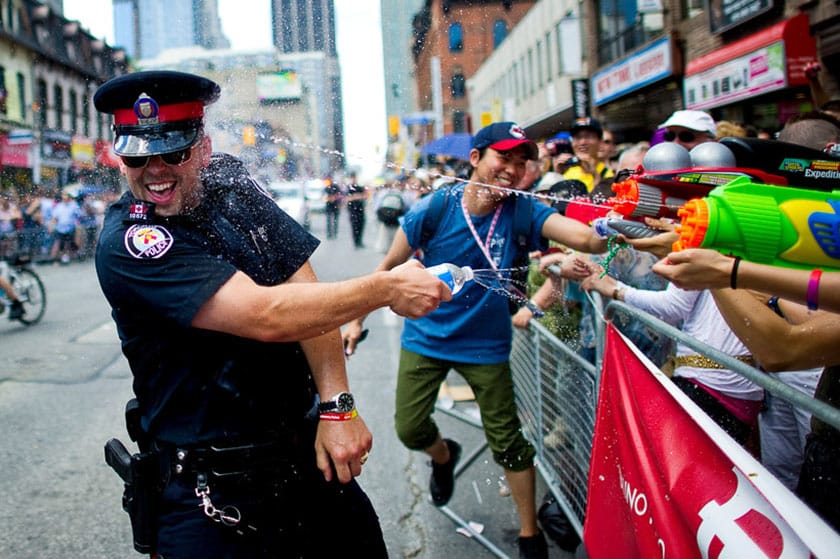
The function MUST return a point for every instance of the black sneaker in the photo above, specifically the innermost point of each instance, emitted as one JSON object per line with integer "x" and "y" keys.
{"x": 16, "y": 310}
{"x": 442, "y": 482}
{"x": 533, "y": 547}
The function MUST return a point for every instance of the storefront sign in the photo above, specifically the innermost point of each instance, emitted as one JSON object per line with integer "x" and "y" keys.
{"x": 55, "y": 148}
{"x": 726, "y": 14}
{"x": 641, "y": 69}
{"x": 81, "y": 150}
{"x": 15, "y": 148}
{"x": 580, "y": 97}
{"x": 752, "y": 74}
{"x": 767, "y": 61}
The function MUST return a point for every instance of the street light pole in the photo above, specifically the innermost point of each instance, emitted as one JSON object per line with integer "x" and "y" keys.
{"x": 36, "y": 143}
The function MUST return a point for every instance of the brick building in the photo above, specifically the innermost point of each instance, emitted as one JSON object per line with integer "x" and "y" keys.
{"x": 739, "y": 60}
{"x": 461, "y": 35}
{"x": 50, "y": 67}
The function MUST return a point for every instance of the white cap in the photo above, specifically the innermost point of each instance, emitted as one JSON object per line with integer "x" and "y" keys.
{"x": 693, "y": 120}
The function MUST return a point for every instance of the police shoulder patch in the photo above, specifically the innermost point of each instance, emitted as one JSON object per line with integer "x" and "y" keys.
{"x": 147, "y": 241}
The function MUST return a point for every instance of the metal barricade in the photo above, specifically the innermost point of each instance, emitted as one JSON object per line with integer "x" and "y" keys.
{"x": 557, "y": 391}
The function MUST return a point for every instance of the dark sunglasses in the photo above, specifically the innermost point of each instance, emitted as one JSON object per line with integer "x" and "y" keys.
{"x": 172, "y": 158}
{"x": 684, "y": 136}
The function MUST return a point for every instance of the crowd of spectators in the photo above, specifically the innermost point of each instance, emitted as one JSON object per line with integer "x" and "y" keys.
{"x": 582, "y": 163}
{"x": 51, "y": 227}
{"x": 803, "y": 452}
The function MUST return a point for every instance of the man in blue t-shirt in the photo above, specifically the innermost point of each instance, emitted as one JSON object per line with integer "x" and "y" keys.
{"x": 472, "y": 333}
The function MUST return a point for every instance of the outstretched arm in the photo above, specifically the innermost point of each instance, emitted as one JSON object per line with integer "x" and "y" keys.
{"x": 775, "y": 343}
{"x": 397, "y": 255}
{"x": 708, "y": 269}
{"x": 573, "y": 234}
{"x": 295, "y": 311}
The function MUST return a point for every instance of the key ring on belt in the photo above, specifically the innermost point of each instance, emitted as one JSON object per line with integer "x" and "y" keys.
{"x": 228, "y": 515}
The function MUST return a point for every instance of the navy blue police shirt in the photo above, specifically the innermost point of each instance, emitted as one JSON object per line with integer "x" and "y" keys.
{"x": 197, "y": 385}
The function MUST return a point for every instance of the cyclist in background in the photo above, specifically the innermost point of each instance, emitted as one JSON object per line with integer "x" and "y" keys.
{"x": 16, "y": 310}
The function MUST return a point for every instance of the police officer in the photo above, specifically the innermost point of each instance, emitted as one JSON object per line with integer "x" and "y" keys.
{"x": 231, "y": 342}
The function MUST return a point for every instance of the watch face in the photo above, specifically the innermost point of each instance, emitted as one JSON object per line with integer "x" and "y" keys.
{"x": 345, "y": 402}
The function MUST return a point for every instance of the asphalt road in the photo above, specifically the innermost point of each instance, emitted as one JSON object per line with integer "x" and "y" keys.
{"x": 64, "y": 384}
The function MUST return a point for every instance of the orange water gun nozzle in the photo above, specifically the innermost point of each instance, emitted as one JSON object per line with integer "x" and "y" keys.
{"x": 695, "y": 222}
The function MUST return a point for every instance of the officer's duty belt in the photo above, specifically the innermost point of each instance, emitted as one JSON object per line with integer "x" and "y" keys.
{"x": 223, "y": 462}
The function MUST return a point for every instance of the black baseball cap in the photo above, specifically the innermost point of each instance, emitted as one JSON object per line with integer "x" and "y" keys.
{"x": 157, "y": 111}
{"x": 587, "y": 123}
{"x": 504, "y": 136}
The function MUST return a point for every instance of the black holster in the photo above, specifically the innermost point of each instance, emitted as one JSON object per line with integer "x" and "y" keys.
{"x": 141, "y": 474}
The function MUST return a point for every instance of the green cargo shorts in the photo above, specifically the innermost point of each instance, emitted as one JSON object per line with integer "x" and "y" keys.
{"x": 418, "y": 384}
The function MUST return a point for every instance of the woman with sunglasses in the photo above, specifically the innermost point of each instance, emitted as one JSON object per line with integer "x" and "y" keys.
{"x": 689, "y": 128}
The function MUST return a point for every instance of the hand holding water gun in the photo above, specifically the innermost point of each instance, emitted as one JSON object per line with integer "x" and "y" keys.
{"x": 669, "y": 176}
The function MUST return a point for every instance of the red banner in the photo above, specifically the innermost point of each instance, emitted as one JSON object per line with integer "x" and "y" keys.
{"x": 666, "y": 481}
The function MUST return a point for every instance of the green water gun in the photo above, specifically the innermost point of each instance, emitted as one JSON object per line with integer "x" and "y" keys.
{"x": 778, "y": 225}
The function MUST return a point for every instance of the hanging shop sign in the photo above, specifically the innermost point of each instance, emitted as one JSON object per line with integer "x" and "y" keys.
{"x": 726, "y": 14}
{"x": 767, "y": 61}
{"x": 638, "y": 70}
{"x": 82, "y": 152}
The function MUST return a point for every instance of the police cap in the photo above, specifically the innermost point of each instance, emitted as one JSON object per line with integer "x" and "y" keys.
{"x": 155, "y": 112}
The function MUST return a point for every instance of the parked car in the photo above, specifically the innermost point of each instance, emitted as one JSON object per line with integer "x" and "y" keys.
{"x": 316, "y": 195}
{"x": 291, "y": 198}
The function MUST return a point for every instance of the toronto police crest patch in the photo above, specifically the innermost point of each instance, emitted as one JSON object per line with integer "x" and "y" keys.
{"x": 146, "y": 109}
{"x": 147, "y": 241}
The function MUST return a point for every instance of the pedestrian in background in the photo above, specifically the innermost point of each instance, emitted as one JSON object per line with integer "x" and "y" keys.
{"x": 9, "y": 217}
{"x": 356, "y": 200}
{"x": 31, "y": 228}
{"x": 332, "y": 207}
{"x": 64, "y": 221}
{"x": 390, "y": 204}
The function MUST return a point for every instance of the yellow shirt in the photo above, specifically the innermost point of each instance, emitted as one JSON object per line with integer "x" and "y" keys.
{"x": 577, "y": 173}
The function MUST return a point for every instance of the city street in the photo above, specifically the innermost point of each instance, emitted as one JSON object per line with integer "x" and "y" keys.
{"x": 64, "y": 384}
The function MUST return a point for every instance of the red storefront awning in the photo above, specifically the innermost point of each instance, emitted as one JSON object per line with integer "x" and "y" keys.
{"x": 800, "y": 49}
{"x": 14, "y": 154}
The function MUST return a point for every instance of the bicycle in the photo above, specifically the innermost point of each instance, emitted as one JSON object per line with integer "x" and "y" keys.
{"x": 28, "y": 286}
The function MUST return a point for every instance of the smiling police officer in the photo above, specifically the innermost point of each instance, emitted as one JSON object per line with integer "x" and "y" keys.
{"x": 230, "y": 338}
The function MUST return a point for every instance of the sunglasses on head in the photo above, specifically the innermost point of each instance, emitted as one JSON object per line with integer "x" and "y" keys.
{"x": 685, "y": 136}
{"x": 172, "y": 158}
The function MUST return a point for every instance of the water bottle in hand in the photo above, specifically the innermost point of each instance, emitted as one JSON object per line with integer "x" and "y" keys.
{"x": 453, "y": 276}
